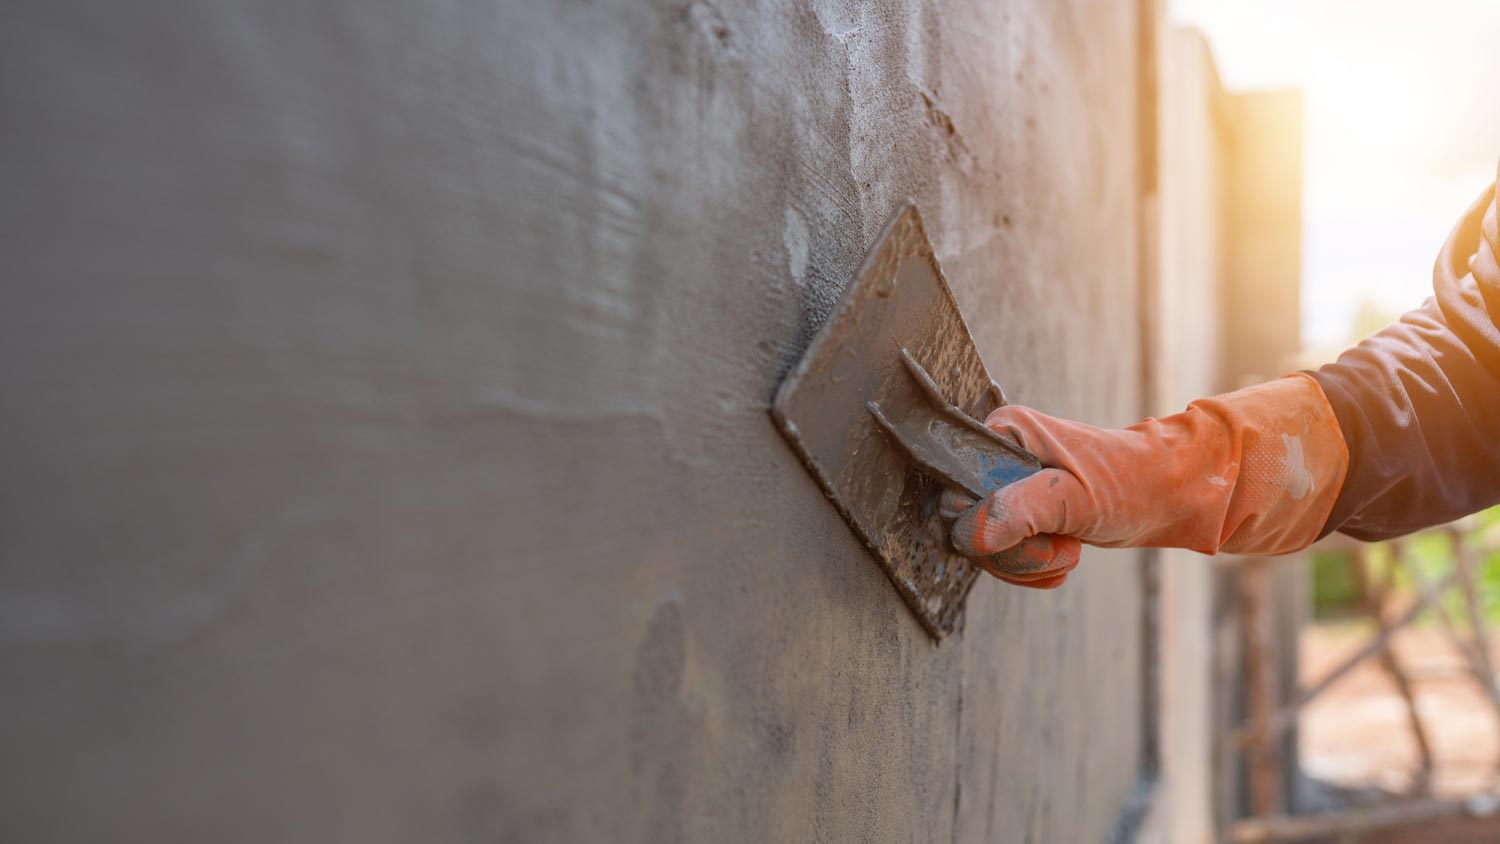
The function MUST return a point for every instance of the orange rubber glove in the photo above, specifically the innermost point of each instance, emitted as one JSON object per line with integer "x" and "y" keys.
{"x": 1252, "y": 472}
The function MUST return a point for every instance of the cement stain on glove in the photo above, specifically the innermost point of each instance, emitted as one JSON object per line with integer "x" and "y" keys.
{"x": 1255, "y": 471}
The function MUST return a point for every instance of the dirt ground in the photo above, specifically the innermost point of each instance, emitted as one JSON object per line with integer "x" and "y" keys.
{"x": 1357, "y": 735}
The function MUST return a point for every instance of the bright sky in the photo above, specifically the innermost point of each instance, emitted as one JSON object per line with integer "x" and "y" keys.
{"x": 1402, "y": 129}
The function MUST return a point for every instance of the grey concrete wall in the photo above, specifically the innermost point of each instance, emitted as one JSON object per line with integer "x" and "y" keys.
{"x": 385, "y": 447}
{"x": 1193, "y": 237}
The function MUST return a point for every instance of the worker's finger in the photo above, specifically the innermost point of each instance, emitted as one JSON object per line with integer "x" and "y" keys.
{"x": 1066, "y": 554}
{"x": 1045, "y": 583}
{"x": 1041, "y": 562}
{"x": 1051, "y": 501}
{"x": 1038, "y": 562}
{"x": 953, "y": 503}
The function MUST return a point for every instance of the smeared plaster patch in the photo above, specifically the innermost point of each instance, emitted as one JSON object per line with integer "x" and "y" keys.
{"x": 1299, "y": 481}
{"x": 947, "y": 133}
{"x": 838, "y": 18}
{"x": 1221, "y": 480}
{"x": 794, "y": 236}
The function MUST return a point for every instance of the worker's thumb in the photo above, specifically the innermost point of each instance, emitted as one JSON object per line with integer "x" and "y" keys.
{"x": 1050, "y": 502}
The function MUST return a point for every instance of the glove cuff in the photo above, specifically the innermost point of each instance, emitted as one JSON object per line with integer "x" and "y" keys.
{"x": 1291, "y": 461}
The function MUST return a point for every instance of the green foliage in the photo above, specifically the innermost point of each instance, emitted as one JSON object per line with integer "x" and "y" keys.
{"x": 1489, "y": 567}
{"x": 1336, "y": 594}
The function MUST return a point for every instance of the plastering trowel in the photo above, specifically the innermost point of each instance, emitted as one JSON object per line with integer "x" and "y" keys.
{"x": 885, "y": 410}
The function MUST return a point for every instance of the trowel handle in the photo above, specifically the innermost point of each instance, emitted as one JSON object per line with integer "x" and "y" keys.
{"x": 948, "y": 444}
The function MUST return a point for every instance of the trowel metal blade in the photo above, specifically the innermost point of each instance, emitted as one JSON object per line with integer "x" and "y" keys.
{"x": 898, "y": 301}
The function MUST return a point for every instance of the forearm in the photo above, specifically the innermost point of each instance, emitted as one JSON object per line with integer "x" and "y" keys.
{"x": 1400, "y": 433}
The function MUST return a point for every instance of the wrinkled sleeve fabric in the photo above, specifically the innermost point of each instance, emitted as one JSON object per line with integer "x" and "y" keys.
{"x": 1419, "y": 402}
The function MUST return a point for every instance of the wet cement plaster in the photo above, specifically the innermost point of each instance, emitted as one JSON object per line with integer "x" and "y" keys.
{"x": 386, "y": 453}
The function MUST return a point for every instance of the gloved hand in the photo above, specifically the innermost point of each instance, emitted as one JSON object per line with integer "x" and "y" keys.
{"x": 1255, "y": 471}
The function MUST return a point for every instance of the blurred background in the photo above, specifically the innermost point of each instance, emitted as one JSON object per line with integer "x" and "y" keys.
{"x": 1400, "y": 132}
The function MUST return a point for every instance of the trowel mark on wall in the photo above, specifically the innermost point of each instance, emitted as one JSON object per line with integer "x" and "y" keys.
{"x": 948, "y": 135}
{"x": 659, "y": 735}
{"x": 794, "y": 236}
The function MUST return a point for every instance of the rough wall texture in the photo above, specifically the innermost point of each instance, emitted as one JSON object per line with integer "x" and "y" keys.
{"x": 386, "y": 449}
